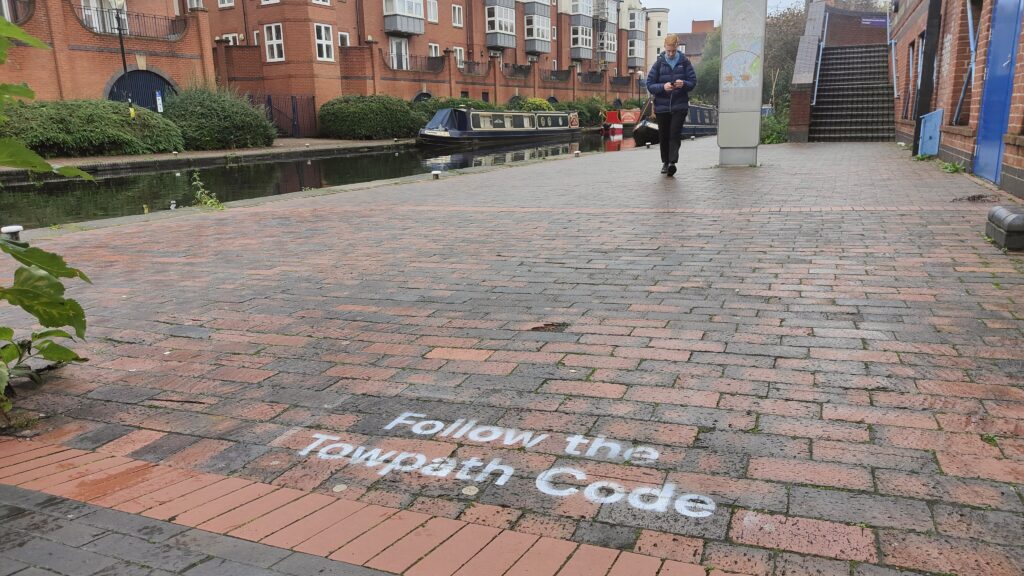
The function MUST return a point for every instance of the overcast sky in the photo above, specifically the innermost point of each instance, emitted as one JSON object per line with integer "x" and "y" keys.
{"x": 682, "y": 12}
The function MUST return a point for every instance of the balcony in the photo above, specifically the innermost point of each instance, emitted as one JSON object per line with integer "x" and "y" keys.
{"x": 592, "y": 77}
{"x": 400, "y": 61}
{"x": 403, "y": 17}
{"x": 500, "y": 19}
{"x": 534, "y": 46}
{"x": 131, "y": 24}
{"x": 520, "y": 71}
{"x": 556, "y": 75}
{"x": 17, "y": 11}
{"x": 471, "y": 68}
{"x": 621, "y": 81}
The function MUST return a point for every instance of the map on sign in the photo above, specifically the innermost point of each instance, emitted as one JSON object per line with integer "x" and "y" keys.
{"x": 743, "y": 54}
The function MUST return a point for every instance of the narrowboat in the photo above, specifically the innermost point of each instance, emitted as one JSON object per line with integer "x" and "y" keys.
{"x": 462, "y": 126}
{"x": 701, "y": 121}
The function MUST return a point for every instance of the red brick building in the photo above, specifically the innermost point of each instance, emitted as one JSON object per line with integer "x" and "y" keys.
{"x": 487, "y": 49}
{"x": 166, "y": 45}
{"x": 983, "y": 111}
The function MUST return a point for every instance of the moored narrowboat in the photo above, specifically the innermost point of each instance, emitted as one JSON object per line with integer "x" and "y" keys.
{"x": 451, "y": 126}
{"x": 700, "y": 121}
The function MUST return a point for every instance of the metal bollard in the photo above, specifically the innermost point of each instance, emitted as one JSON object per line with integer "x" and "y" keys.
{"x": 12, "y": 232}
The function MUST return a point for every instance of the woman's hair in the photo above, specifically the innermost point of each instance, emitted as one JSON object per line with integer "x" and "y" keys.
{"x": 671, "y": 40}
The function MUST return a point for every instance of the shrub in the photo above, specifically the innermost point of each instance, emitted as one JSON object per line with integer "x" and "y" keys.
{"x": 369, "y": 118}
{"x": 89, "y": 128}
{"x": 427, "y": 108}
{"x": 634, "y": 103}
{"x": 775, "y": 128}
{"x": 216, "y": 119}
{"x": 591, "y": 110}
{"x": 536, "y": 105}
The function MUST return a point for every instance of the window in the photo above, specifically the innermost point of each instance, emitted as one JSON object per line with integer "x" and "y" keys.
{"x": 584, "y": 7}
{"x": 554, "y": 64}
{"x": 635, "y": 49}
{"x": 460, "y": 57}
{"x": 612, "y": 12}
{"x": 269, "y": 1}
{"x": 343, "y": 40}
{"x": 432, "y": 11}
{"x": 231, "y": 39}
{"x": 433, "y": 50}
{"x": 538, "y": 28}
{"x": 273, "y": 35}
{"x": 323, "y": 35}
{"x": 554, "y": 32}
{"x": 636, "y": 20}
{"x": 255, "y": 37}
{"x": 412, "y": 8}
{"x": 220, "y": 4}
{"x": 501, "y": 19}
{"x": 399, "y": 53}
{"x": 582, "y": 37}
{"x": 485, "y": 96}
{"x": 607, "y": 42}
{"x": 464, "y": 94}
{"x": 456, "y": 15}
{"x": 322, "y": 2}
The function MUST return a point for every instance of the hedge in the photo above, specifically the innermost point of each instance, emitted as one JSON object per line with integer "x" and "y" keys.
{"x": 369, "y": 118}
{"x": 218, "y": 119}
{"x": 428, "y": 107}
{"x": 591, "y": 110}
{"x": 78, "y": 128}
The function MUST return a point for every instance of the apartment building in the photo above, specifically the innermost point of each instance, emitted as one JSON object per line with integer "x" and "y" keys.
{"x": 487, "y": 49}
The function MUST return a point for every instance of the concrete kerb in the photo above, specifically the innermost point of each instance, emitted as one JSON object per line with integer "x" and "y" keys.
{"x": 79, "y": 227}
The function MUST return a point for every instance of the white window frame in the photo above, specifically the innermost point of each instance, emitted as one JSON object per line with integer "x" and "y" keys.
{"x": 554, "y": 64}
{"x": 537, "y": 27}
{"x": 607, "y": 42}
{"x": 323, "y": 42}
{"x": 458, "y": 16}
{"x": 270, "y": 1}
{"x": 584, "y": 7}
{"x": 347, "y": 41}
{"x": 460, "y": 56}
{"x": 399, "y": 58}
{"x": 232, "y": 39}
{"x": 272, "y": 42}
{"x": 501, "y": 20}
{"x": 581, "y": 40}
{"x": 5, "y": 10}
{"x": 433, "y": 50}
{"x": 635, "y": 49}
{"x": 410, "y": 8}
{"x": 432, "y": 11}
{"x": 635, "y": 19}
{"x": 322, "y": 2}
{"x": 255, "y": 37}
{"x": 220, "y": 4}
{"x": 554, "y": 33}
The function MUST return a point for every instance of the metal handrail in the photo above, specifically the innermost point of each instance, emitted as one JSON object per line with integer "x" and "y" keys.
{"x": 409, "y": 63}
{"x": 472, "y": 68}
{"x": 621, "y": 80}
{"x": 517, "y": 70}
{"x": 556, "y": 75}
{"x": 821, "y": 53}
{"x": 131, "y": 24}
{"x": 591, "y": 77}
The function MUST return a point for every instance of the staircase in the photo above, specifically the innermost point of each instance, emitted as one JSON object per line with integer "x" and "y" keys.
{"x": 855, "y": 99}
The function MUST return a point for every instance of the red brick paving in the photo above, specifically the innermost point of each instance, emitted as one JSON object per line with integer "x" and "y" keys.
{"x": 828, "y": 349}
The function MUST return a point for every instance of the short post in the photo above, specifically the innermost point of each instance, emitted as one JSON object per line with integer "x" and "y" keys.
{"x": 436, "y": 174}
{"x": 12, "y": 232}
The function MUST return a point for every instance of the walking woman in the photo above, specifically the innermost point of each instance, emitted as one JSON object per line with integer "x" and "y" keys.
{"x": 670, "y": 81}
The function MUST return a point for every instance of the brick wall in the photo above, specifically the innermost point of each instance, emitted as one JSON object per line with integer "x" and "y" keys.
{"x": 851, "y": 29}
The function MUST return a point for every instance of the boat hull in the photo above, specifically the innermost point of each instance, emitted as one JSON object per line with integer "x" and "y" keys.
{"x": 490, "y": 138}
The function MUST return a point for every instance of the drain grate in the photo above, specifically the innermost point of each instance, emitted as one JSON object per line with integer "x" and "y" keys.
{"x": 550, "y": 327}
{"x": 978, "y": 198}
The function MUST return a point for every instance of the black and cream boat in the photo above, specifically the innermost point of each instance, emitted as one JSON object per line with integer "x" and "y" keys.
{"x": 480, "y": 127}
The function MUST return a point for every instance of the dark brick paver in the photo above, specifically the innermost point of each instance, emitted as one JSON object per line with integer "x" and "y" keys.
{"x": 825, "y": 345}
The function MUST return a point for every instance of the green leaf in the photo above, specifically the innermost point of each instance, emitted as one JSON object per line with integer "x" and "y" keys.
{"x": 14, "y": 154}
{"x": 42, "y": 259}
{"x": 9, "y": 354}
{"x": 41, "y": 295}
{"x": 5, "y": 45}
{"x": 29, "y": 373}
{"x": 56, "y": 353}
{"x": 53, "y": 333}
{"x": 6, "y": 333}
{"x": 8, "y": 30}
{"x": 16, "y": 91}
{"x": 72, "y": 172}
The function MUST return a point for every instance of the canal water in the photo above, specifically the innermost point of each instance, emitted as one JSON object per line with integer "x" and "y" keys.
{"x": 56, "y": 203}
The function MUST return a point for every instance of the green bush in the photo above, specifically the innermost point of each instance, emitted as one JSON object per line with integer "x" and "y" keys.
{"x": 634, "y": 103}
{"x": 89, "y": 128}
{"x": 536, "y": 105}
{"x": 427, "y": 108}
{"x": 369, "y": 118}
{"x": 775, "y": 127}
{"x": 591, "y": 110}
{"x": 217, "y": 119}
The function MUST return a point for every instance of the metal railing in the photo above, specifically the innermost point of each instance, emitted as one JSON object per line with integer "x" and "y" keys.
{"x": 621, "y": 80}
{"x": 18, "y": 11}
{"x": 471, "y": 68}
{"x": 131, "y": 24}
{"x": 556, "y": 75}
{"x": 592, "y": 77}
{"x": 398, "y": 61}
{"x": 821, "y": 54}
{"x": 516, "y": 70}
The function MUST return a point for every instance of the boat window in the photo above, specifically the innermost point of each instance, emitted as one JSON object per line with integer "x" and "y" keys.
{"x": 519, "y": 122}
{"x": 476, "y": 121}
{"x": 544, "y": 121}
{"x": 498, "y": 121}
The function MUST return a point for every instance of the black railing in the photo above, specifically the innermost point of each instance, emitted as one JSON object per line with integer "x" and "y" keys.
{"x": 592, "y": 77}
{"x": 20, "y": 11}
{"x": 131, "y": 24}
{"x": 293, "y": 115}
{"x": 516, "y": 70}
{"x": 414, "y": 63}
{"x": 556, "y": 75}
{"x": 471, "y": 68}
{"x": 621, "y": 80}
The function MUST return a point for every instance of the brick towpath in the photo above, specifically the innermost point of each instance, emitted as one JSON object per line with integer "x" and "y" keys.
{"x": 813, "y": 367}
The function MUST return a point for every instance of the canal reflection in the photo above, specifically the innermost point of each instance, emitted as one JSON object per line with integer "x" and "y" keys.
{"x": 55, "y": 203}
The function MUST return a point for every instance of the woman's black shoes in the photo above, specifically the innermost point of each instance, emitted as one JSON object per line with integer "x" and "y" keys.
{"x": 671, "y": 171}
